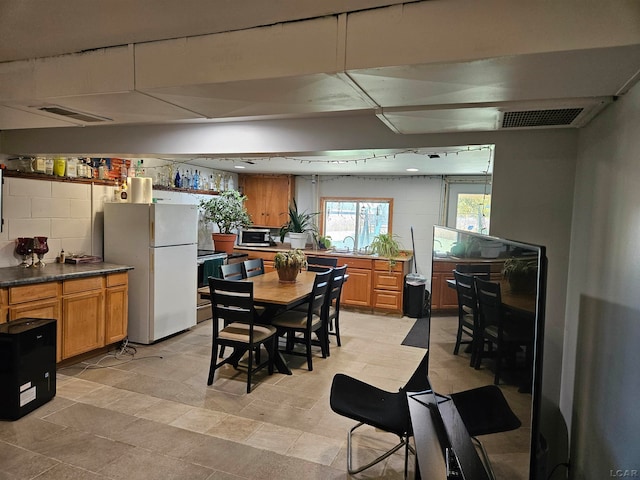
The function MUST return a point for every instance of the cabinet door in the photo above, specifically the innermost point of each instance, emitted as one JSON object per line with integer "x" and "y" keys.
{"x": 116, "y": 314}
{"x": 41, "y": 309}
{"x": 268, "y": 198}
{"x": 357, "y": 289}
{"x": 4, "y": 305}
{"x": 83, "y": 324}
{"x": 387, "y": 300}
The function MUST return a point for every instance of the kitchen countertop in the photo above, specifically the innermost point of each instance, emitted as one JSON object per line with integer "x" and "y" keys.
{"x": 52, "y": 272}
{"x": 311, "y": 251}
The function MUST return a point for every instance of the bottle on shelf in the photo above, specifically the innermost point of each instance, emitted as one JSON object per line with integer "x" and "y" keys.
{"x": 178, "y": 180}
{"x": 131, "y": 171}
{"x": 103, "y": 171}
{"x": 124, "y": 194}
{"x": 195, "y": 184}
{"x": 48, "y": 166}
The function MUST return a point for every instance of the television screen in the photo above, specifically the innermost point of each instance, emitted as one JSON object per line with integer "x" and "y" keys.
{"x": 520, "y": 271}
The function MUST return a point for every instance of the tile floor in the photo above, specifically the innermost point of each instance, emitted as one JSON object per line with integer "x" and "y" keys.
{"x": 152, "y": 416}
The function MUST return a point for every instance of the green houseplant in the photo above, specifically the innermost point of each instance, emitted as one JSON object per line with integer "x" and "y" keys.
{"x": 228, "y": 212}
{"x": 299, "y": 224}
{"x": 521, "y": 273}
{"x": 386, "y": 245}
{"x": 288, "y": 264}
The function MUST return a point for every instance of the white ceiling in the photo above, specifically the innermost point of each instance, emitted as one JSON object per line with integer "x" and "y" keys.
{"x": 421, "y": 68}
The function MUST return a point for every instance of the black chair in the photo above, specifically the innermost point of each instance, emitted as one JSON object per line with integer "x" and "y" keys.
{"x": 306, "y": 322}
{"x": 369, "y": 405}
{"x": 506, "y": 332}
{"x": 232, "y": 271}
{"x": 467, "y": 313}
{"x": 252, "y": 268}
{"x": 338, "y": 277}
{"x": 484, "y": 411}
{"x": 322, "y": 261}
{"x": 481, "y": 270}
{"x": 232, "y": 306}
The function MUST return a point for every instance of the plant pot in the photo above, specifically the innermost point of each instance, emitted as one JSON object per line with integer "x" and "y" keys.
{"x": 288, "y": 274}
{"x": 298, "y": 240}
{"x": 224, "y": 242}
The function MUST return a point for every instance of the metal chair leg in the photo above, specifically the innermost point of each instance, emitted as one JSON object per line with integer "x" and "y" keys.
{"x": 404, "y": 442}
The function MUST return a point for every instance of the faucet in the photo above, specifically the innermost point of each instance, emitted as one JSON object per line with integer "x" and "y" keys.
{"x": 352, "y": 239}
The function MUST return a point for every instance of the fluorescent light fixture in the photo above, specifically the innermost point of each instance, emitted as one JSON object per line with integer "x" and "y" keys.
{"x": 238, "y": 166}
{"x": 412, "y": 169}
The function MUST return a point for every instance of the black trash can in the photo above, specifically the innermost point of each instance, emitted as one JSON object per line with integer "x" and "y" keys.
{"x": 415, "y": 296}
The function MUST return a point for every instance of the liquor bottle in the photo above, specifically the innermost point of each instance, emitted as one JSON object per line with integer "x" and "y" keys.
{"x": 196, "y": 181}
{"x": 178, "y": 181}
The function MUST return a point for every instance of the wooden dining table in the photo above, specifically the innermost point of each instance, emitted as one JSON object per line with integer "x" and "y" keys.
{"x": 275, "y": 296}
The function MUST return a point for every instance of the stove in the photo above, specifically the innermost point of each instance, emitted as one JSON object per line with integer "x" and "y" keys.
{"x": 203, "y": 255}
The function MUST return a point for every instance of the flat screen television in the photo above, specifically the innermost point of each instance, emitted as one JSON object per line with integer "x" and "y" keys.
{"x": 453, "y": 248}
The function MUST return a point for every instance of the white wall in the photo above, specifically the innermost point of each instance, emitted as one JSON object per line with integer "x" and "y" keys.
{"x": 600, "y": 381}
{"x": 417, "y": 202}
{"x": 69, "y": 214}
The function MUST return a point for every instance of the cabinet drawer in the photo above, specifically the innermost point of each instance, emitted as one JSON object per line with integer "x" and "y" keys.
{"x": 387, "y": 281}
{"x": 387, "y": 300}
{"x": 82, "y": 285}
{"x": 384, "y": 265}
{"x": 363, "y": 263}
{"x": 38, "y": 291}
{"x": 117, "y": 279}
{"x": 444, "y": 266}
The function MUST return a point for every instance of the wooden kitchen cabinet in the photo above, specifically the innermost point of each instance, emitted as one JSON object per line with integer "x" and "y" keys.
{"x": 356, "y": 291}
{"x": 37, "y": 301}
{"x": 268, "y": 198}
{"x": 82, "y": 315}
{"x": 116, "y": 308}
{"x": 91, "y": 312}
{"x": 388, "y": 282}
{"x": 443, "y": 297}
{"x": 4, "y": 305}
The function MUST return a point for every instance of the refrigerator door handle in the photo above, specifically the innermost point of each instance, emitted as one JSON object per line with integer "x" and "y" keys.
{"x": 152, "y": 232}
{"x": 151, "y": 266}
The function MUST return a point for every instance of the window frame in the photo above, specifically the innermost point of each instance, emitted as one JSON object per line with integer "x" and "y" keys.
{"x": 357, "y": 200}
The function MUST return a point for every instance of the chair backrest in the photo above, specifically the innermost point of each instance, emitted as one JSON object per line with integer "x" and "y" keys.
{"x": 232, "y": 271}
{"x": 318, "y": 268}
{"x": 323, "y": 261}
{"x": 338, "y": 276}
{"x": 489, "y": 302}
{"x": 231, "y": 301}
{"x": 318, "y": 294}
{"x": 466, "y": 293}
{"x": 481, "y": 270}
{"x": 252, "y": 268}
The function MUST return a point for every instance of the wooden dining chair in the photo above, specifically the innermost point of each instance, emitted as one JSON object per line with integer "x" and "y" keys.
{"x": 307, "y": 322}
{"x": 332, "y": 305}
{"x": 505, "y": 332}
{"x": 252, "y": 268}
{"x": 232, "y": 271}
{"x": 234, "y": 325}
{"x": 322, "y": 261}
{"x": 481, "y": 270}
{"x": 467, "y": 314}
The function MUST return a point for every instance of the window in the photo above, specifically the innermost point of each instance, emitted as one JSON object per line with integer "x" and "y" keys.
{"x": 469, "y": 207}
{"x": 353, "y": 222}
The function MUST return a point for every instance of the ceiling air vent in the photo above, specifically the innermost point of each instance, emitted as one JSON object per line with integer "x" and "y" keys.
{"x": 540, "y": 118}
{"x": 70, "y": 114}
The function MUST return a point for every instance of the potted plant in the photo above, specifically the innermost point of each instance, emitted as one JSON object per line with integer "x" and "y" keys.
{"x": 228, "y": 212}
{"x": 288, "y": 264}
{"x": 521, "y": 273}
{"x": 386, "y": 245}
{"x": 300, "y": 224}
{"x": 324, "y": 242}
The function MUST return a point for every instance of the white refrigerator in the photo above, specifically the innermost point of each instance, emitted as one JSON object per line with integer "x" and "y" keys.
{"x": 160, "y": 242}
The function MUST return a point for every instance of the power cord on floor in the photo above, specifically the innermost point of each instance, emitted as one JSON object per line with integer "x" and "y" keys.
{"x": 124, "y": 350}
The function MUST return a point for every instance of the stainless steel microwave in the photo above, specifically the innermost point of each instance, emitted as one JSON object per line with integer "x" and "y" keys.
{"x": 254, "y": 237}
